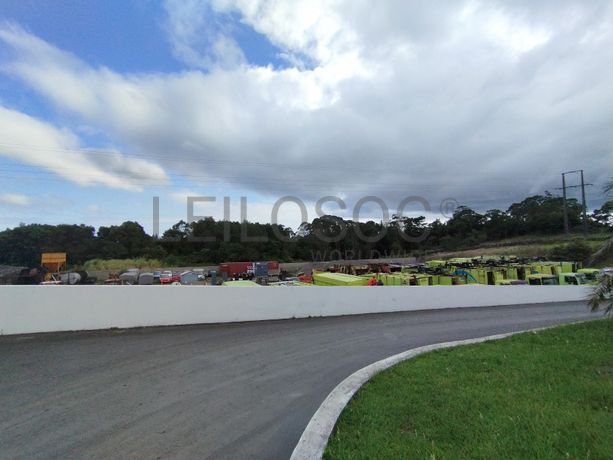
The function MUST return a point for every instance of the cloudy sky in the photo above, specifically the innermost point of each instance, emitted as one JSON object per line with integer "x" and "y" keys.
{"x": 104, "y": 105}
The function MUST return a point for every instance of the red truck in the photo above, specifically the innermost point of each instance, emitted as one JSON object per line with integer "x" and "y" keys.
{"x": 274, "y": 270}
{"x": 232, "y": 269}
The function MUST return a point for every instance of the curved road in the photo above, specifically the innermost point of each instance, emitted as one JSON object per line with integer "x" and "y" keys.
{"x": 230, "y": 391}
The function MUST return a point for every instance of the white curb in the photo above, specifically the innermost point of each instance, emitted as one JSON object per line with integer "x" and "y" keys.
{"x": 314, "y": 439}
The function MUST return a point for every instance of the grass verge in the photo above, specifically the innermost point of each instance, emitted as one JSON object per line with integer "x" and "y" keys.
{"x": 121, "y": 264}
{"x": 536, "y": 395}
{"x": 524, "y": 246}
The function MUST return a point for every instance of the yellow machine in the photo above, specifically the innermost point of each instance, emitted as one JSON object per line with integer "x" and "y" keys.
{"x": 591, "y": 274}
{"x": 572, "y": 279}
{"x": 420, "y": 280}
{"x": 54, "y": 262}
{"x": 337, "y": 279}
{"x": 541, "y": 279}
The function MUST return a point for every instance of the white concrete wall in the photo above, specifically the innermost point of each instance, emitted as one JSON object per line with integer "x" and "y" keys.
{"x": 27, "y": 309}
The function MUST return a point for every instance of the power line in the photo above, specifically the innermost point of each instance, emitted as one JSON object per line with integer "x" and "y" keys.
{"x": 195, "y": 158}
{"x": 10, "y": 170}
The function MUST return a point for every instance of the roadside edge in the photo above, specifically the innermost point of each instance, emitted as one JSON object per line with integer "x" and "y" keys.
{"x": 314, "y": 439}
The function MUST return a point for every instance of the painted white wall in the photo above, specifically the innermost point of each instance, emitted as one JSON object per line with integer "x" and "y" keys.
{"x": 28, "y": 309}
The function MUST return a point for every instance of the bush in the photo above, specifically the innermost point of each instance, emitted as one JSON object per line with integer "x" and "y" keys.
{"x": 576, "y": 251}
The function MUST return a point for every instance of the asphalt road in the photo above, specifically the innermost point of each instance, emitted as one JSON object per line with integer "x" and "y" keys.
{"x": 214, "y": 391}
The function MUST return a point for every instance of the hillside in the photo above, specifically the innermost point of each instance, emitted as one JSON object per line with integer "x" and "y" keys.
{"x": 528, "y": 246}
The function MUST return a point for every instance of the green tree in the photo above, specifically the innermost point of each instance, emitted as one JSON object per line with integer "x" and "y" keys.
{"x": 544, "y": 214}
{"x": 464, "y": 222}
{"x": 126, "y": 240}
{"x": 497, "y": 224}
{"x": 603, "y": 216}
{"x": 606, "y": 249}
{"x": 24, "y": 245}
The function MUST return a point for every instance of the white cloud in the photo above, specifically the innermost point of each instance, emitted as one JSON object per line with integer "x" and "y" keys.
{"x": 37, "y": 143}
{"x": 482, "y": 101}
{"x": 15, "y": 199}
{"x": 181, "y": 196}
{"x": 313, "y": 28}
{"x": 197, "y": 38}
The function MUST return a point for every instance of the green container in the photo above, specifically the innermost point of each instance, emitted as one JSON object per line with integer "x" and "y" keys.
{"x": 243, "y": 283}
{"x": 445, "y": 280}
{"x": 567, "y": 267}
{"x": 338, "y": 279}
{"x": 511, "y": 273}
{"x": 479, "y": 274}
{"x": 394, "y": 279}
{"x": 409, "y": 270}
{"x": 435, "y": 263}
{"x": 420, "y": 280}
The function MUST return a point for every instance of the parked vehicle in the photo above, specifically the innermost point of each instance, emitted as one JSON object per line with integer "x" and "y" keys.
{"x": 170, "y": 278}
{"x": 575, "y": 279}
{"x": 231, "y": 270}
{"x": 246, "y": 270}
{"x": 33, "y": 275}
{"x": 145, "y": 279}
{"x": 543, "y": 280}
{"x": 260, "y": 269}
{"x": 513, "y": 283}
{"x": 591, "y": 275}
{"x": 188, "y": 277}
{"x": 130, "y": 276}
{"x": 71, "y": 278}
{"x": 274, "y": 269}
{"x": 200, "y": 273}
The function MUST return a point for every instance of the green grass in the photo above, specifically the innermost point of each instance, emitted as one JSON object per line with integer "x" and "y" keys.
{"x": 536, "y": 395}
{"x": 524, "y": 246}
{"x": 121, "y": 264}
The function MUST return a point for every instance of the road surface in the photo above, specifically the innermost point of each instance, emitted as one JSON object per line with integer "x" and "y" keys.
{"x": 234, "y": 391}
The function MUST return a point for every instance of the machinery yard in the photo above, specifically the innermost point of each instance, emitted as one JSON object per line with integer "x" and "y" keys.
{"x": 484, "y": 270}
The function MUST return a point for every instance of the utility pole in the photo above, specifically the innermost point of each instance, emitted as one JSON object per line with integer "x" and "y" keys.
{"x": 583, "y": 203}
{"x": 566, "y": 229}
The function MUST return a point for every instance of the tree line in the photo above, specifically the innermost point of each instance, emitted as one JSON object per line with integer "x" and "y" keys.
{"x": 210, "y": 242}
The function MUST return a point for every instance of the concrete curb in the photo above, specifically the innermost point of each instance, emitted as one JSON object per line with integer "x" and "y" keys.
{"x": 314, "y": 439}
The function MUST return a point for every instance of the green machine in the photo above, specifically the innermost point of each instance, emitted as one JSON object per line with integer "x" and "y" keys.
{"x": 575, "y": 279}
{"x": 592, "y": 275}
{"x": 338, "y": 279}
{"x": 243, "y": 283}
{"x": 541, "y": 279}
